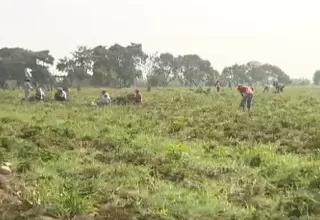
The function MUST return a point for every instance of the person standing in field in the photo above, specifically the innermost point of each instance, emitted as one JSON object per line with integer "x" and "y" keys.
{"x": 27, "y": 89}
{"x": 218, "y": 85}
{"x": 39, "y": 96}
{"x": 247, "y": 96}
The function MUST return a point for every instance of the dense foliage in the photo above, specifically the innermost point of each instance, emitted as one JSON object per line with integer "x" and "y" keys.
{"x": 14, "y": 62}
{"x": 122, "y": 66}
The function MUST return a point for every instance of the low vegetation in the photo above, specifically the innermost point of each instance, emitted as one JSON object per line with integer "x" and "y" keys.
{"x": 184, "y": 154}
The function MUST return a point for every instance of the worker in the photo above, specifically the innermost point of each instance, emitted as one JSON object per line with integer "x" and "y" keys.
{"x": 247, "y": 96}
{"x": 60, "y": 95}
{"x": 104, "y": 98}
{"x": 137, "y": 97}
{"x": 27, "y": 89}
{"x": 218, "y": 86}
{"x": 39, "y": 96}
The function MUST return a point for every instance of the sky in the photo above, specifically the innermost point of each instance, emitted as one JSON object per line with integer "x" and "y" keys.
{"x": 285, "y": 33}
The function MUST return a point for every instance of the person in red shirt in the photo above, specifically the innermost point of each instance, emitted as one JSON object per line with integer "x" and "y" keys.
{"x": 247, "y": 96}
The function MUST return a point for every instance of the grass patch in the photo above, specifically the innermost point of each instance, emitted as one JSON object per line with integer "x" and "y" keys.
{"x": 183, "y": 155}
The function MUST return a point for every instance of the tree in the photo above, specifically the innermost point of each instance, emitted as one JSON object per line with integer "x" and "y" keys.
{"x": 118, "y": 65}
{"x": 162, "y": 69}
{"x": 103, "y": 75}
{"x": 79, "y": 66}
{"x": 74, "y": 71}
{"x": 14, "y": 61}
{"x": 126, "y": 62}
{"x": 257, "y": 75}
{"x": 83, "y": 58}
{"x": 192, "y": 70}
{"x": 275, "y": 73}
{"x": 254, "y": 72}
{"x": 167, "y": 67}
{"x": 316, "y": 77}
{"x": 236, "y": 73}
{"x": 211, "y": 77}
{"x": 149, "y": 68}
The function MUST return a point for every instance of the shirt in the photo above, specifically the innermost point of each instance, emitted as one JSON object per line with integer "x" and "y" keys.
{"x": 138, "y": 98}
{"x": 246, "y": 90}
{"x": 64, "y": 95}
{"x": 40, "y": 94}
{"x": 27, "y": 86}
{"x": 105, "y": 99}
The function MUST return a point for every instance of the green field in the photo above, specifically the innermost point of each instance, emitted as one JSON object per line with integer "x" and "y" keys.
{"x": 184, "y": 154}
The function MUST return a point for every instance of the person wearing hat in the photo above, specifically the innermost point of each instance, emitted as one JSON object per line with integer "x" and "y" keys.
{"x": 247, "y": 96}
{"x": 27, "y": 89}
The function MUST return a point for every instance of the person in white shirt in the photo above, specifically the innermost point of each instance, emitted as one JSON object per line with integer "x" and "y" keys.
{"x": 67, "y": 91}
{"x": 40, "y": 94}
{"x": 60, "y": 95}
{"x": 27, "y": 89}
{"x": 104, "y": 98}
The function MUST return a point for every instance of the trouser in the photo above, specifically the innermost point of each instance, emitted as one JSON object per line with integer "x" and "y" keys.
{"x": 246, "y": 101}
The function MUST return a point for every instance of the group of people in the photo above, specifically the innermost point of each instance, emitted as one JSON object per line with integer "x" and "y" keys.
{"x": 247, "y": 94}
{"x": 279, "y": 87}
{"x": 62, "y": 94}
{"x": 105, "y": 98}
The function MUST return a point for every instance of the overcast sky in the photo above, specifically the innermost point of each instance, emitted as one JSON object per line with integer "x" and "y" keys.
{"x": 285, "y": 33}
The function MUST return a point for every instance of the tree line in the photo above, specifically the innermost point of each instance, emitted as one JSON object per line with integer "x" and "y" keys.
{"x": 122, "y": 66}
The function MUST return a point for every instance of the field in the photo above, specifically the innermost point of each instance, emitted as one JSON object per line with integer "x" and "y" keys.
{"x": 185, "y": 154}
